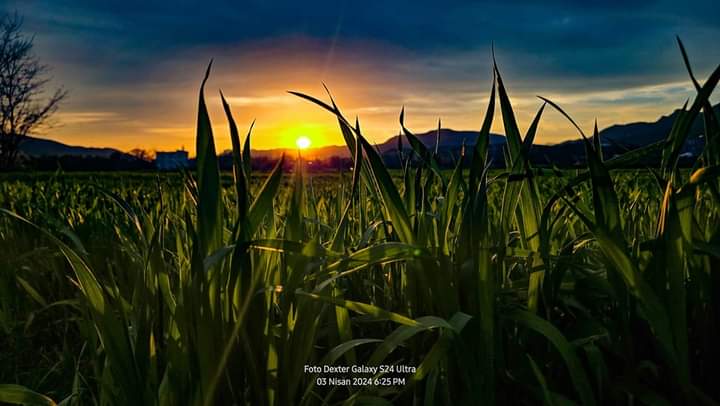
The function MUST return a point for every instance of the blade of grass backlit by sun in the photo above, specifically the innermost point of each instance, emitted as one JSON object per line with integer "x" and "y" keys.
{"x": 673, "y": 244}
{"x": 452, "y": 197}
{"x": 528, "y": 214}
{"x": 210, "y": 204}
{"x": 711, "y": 120}
{"x": 608, "y": 232}
{"x": 420, "y": 149}
{"x": 681, "y": 127}
{"x": 113, "y": 334}
{"x": 241, "y": 184}
{"x": 381, "y": 177}
{"x": 338, "y": 240}
{"x": 263, "y": 203}
{"x": 482, "y": 142}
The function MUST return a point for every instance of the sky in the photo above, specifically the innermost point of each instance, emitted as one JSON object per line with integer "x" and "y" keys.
{"x": 133, "y": 68}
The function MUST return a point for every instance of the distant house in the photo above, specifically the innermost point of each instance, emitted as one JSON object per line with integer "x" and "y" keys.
{"x": 170, "y": 161}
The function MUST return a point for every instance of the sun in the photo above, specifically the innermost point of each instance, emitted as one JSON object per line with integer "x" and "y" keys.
{"x": 303, "y": 142}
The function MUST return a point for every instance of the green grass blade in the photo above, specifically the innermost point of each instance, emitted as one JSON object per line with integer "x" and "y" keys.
{"x": 367, "y": 309}
{"x": 112, "y": 332}
{"x": 681, "y": 127}
{"x": 241, "y": 184}
{"x": 672, "y": 252}
{"x": 263, "y": 203}
{"x": 552, "y": 334}
{"x": 210, "y": 203}
{"x": 382, "y": 180}
{"x": 337, "y": 243}
{"x": 20, "y": 395}
{"x": 528, "y": 213}
{"x": 482, "y": 143}
{"x": 421, "y": 150}
{"x": 246, "y": 155}
{"x": 547, "y": 396}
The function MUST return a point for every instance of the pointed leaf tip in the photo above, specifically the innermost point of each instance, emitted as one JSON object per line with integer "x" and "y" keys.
{"x": 207, "y": 73}
{"x": 567, "y": 116}
{"x": 332, "y": 100}
{"x": 492, "y": 51}
{"x": 686, "y": 61}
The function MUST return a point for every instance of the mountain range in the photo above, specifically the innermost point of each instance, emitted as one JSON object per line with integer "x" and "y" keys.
{"x": 42, "y": 147}
{"x": 615, "y": 138}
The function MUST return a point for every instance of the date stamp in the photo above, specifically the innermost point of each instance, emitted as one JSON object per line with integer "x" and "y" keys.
{"x": 360, "y": 375}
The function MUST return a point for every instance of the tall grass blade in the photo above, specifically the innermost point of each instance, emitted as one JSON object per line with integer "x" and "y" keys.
{"x": 210, "y": 203}
{"x": 20, "y": 395}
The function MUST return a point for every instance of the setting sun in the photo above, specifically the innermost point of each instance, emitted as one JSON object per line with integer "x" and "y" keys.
{"x": 302, "y": 142}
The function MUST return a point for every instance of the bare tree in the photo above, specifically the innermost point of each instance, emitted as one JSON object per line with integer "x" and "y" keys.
{"x": 25, "y": 107}
{"x": 142, "y": 154}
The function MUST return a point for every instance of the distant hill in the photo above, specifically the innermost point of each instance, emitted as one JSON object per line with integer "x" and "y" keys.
{"x": 451, "y": 141}
{"x": 619, "y": 138}
{"x": 616, "y": 139}
{"x": 638, "y": 134}
{"x": 41, "y": 147}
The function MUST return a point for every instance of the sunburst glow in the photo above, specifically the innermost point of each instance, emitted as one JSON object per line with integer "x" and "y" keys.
{"x": 303, "y": 142}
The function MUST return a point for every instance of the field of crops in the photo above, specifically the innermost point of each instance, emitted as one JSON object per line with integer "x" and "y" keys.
{"x": 517, "y": 286}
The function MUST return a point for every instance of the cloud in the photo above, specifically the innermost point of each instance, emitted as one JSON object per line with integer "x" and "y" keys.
{"x": 655, "y": 94}
{"x": 170, "y": 130}
{"x": 241, "y": 101}
{"x": 85, "y": 117}
{"x": 142, "y": 60}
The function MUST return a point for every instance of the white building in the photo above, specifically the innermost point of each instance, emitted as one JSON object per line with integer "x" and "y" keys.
{"x": 170, "y": 161}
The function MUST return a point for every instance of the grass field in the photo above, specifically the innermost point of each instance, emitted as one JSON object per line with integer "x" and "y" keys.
{"x": 517, "y": 286}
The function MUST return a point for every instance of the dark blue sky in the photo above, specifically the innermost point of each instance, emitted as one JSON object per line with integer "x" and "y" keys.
{"x": 131, "y": 66}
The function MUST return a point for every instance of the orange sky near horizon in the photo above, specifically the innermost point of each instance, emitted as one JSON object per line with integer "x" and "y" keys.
{"x": 132, "y": 69}
{"x": 281, "y": 118}
{"x": 158, "y": 110}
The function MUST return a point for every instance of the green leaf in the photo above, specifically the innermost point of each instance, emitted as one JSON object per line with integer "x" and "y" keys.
{"x": 241, "y": 184}
{"x": 421, "y": 150}
{"x": 263, "y": 203}
{"x": 482, "y": 143}
{"x": 363, "y": 308}
{"x": 112, "y": 331}
{"x": 528, "y": 214}
{"x": 337, "y": 243}
{"x": 547, "y": 396}
{"x": 566, "y": 350}
{"x": 20, "y": 395}
{"x": 683, "y": 123}
{"x": 671, "y": 253}
{"x": 381, "y": 179}
{"x": 210, "y": 203}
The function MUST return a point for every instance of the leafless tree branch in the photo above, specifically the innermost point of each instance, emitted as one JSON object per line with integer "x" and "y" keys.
{"x": 25, "y": 107}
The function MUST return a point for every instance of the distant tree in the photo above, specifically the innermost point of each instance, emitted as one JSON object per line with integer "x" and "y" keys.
{"x": 338, "y": 163}
{"x": 25, "y": 107}
{"x": 142, "y": 154}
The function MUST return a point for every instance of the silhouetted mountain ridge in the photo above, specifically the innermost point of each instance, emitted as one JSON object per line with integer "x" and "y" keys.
{"x": 42, "y": 147}
{"x": 616, "y": 139}
{"x": 642, "y": 133}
